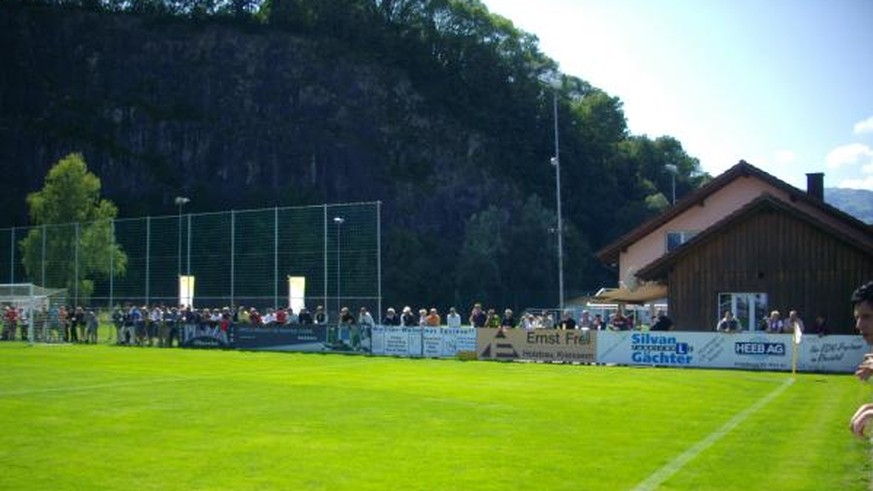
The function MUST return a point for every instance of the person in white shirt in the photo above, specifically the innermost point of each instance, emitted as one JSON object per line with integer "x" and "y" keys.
{"x": 453, "y": 319}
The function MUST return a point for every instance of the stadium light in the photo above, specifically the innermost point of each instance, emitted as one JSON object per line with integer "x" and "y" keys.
{"x": 180, "y": 202}
{"x": 553, "y": 80}
{"x": 673, "y": 170}
{"x": 338, "y": 221}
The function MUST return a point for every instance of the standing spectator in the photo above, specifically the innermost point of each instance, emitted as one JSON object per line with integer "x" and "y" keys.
{"x": 408, "y": 319}
{"x": 82, "y": 324}
{"x": 422, "y": 317}
{"x": 774, "y": 322}
{"x": 292, "y": 317}
{"x": 792, "y": 322}
{"x": 23, "y": 323}
{"x": 585, "y": 320}
{"x": 281, "y": 316}
{"x": 728, "y": 323}
{"x": 269, "y": 318}
{"x": 118, "y": 322}
{"x": 597, "y": 323}
{"x": 527, "y": 321}
{"x": 320, "y": 316}
{"x": 391, "y": 318}
{"x": 305, "y": 318}
{"x": 478, "y": 316}
{"x": 662, "y": 322}
{"x": 63, "y": 321}
{"x": 243, "y": 315}
{"x": 567, "y": 321}
{"x": 347, "y": 322}
{"x": 73, "y": 324}
{"x": 492, "y": 320}
{"x": 365, "y": 318}
{"x": 433, "y": 319}
{"x": 820, "y": 326}
{"x": 91, "y": 328}
{"x": 508, "y": 319}
{"x": 365, "y": 326}
{"x": 10, "y": 320}
{"x": 548, "y": 321}
{"x": 169, "y": 328}
{"x": 619, "y": 322}
{"x": 224, "y": 324}
{"x": 453, "y": 319}
{"x": 255, "y": 317}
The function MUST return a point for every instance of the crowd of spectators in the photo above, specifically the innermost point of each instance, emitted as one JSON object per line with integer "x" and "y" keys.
{"x": 774, "y": 323}
{"x": 160, "y": 325}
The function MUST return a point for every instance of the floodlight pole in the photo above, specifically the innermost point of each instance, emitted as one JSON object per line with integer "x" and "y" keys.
{"x": 180, "y": 202}
{"x": 556, "y": 161}
{"x": 673, "y": 170}
{"x": 338, "y": 221}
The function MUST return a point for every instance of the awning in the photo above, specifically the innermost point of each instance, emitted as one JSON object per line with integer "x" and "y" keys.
{"x": 644, "y": 293}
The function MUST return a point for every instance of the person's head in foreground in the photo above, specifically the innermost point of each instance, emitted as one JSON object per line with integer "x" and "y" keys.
{"x": 862, "y": 304}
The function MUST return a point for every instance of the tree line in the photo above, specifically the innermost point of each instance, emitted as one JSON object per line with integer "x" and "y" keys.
{"x": 477, "y": 67}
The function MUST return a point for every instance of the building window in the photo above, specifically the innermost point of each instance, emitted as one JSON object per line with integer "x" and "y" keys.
{"x": 748, "y": 308}
{"x": 676, "y": 239}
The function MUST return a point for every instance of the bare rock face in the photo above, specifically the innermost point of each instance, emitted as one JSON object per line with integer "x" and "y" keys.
{"x": 238, "y": 117}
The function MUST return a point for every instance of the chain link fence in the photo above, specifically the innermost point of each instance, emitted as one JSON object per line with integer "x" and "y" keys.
{"x": 236, "y": 257}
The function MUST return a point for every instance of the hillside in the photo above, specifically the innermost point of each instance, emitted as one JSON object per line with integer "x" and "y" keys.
{"x": 856, "y": 202}
{"x": 439, "y": 112}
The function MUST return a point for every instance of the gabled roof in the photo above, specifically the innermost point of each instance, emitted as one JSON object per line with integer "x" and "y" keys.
{"x": 657, "y": 270}
{"x": 610, "y": 253}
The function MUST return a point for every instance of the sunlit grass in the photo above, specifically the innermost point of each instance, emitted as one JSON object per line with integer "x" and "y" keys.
{"x": 102, "y": 417}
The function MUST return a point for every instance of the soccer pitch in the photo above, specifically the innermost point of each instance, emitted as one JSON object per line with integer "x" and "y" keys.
{"x": 104, "y": 417}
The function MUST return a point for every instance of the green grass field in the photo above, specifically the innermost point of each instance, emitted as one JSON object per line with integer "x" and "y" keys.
{"x": 104, "y": 417}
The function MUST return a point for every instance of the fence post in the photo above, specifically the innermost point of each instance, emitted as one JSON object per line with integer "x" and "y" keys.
{"x": 12, "y": 256}
{"x": 76, "y": 278}
{"x": 324, "y": 255}
{"x": 111, "y": 263}
{"x": 275, "y": 256}
{"x": 148, "y": 257}
{"x": 379, "y": 259}
{"x": 232, "y": 256}
{"x": 42, "y": 261}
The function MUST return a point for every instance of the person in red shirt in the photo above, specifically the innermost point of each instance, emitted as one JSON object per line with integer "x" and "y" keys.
{"x": 10, "y": 321}
{"x": 281, "y": 317}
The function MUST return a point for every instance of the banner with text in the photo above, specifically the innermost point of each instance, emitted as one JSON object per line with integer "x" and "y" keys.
{"x": 429, "y": 342}
{"x": 284, "y": 338}
{"x": 744, "y": 350}
{"x": 574, "y": 345}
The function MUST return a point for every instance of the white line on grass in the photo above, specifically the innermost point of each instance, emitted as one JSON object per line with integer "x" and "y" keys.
{"x": 664, "y": 473}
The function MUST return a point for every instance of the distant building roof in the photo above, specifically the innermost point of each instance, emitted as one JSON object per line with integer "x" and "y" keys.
{"x": 845, "y": 223}
{"x": 860, "y": 239}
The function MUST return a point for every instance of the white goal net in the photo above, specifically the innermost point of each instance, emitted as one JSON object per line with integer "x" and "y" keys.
{"x": 30, "y": 313}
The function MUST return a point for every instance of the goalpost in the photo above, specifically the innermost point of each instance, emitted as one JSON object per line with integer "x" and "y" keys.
{"x": 35, "y": 319}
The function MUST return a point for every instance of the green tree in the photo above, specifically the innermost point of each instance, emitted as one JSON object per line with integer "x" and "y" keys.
{"x": 73, "y": 237}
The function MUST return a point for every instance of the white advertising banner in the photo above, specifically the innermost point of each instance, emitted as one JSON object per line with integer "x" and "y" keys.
{"x": 430, "y": 342}
{"x": 296, "y": 292}
{"x": 745, "y": 350}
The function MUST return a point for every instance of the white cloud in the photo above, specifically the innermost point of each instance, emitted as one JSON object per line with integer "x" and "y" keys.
{"x": 785, "y": 156}
{"x": 865, "y": 126}
{"x": 862, "y": 183}
{"x": 865, "y": 181}
{"x": 849, "y": 155}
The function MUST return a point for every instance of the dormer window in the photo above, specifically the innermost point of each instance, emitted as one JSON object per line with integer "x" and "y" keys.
{"x": 676, "y": 239}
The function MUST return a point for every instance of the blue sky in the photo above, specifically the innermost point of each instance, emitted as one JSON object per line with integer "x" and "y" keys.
{"x": 786, "y": 85}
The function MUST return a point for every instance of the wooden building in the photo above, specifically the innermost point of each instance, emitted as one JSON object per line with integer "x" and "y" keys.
{"x": 767, "y": 246}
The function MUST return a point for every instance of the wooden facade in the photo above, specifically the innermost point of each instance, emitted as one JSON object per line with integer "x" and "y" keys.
{"x": 799, "y": 261}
